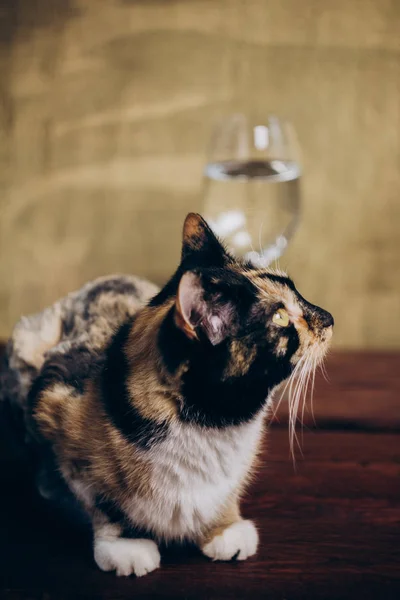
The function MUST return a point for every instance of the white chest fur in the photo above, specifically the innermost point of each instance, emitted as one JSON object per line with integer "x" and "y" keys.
{"x": 194, "y": 471}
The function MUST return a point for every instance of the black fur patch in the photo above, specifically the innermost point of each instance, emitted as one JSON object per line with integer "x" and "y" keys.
{"x": 214, "y": 402}
{"x": 279, "y": 279}
{"x": 68, "y": 323}
{"x": 120, "y": 407}
{"x": 110, "y": 509}
{"x": 293, "y": 341}
{"x": 72, "y": 368}
{"x": 174, "y": 346}
{"x": 117, "y": 286}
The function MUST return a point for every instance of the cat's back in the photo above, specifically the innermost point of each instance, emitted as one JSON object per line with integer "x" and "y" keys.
{"x": 85, "y": 318}
{"x": 96, "y": 310}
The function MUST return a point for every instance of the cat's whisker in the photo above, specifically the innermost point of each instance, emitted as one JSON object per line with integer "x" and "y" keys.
{"x": 323, "y": 370}
{"x": 288, "y": 382}
{"x": 302, "y": 391}
{"x": 299, "y": 395}
{"x": 312, "y": 390}
{"x": 294, "y": 396}
{"x": 290, "y": 418}
{"x": 305, "y": 396}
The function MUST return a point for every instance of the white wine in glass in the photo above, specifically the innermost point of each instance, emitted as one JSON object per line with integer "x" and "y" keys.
{"x": 252, "y": 191}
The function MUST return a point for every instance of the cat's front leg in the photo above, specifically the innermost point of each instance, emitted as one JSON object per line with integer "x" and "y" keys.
{"x": 125, "y": 556}
{"x": 230, "y": 537}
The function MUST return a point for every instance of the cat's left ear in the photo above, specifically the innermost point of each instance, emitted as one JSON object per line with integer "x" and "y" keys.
{"x": 200, "y": 244}
{"x": 194, "y": 314}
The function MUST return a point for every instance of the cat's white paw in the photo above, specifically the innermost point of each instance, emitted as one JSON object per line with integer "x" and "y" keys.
{"x": 239, "y": 541}
{"x": 127, "y": 556}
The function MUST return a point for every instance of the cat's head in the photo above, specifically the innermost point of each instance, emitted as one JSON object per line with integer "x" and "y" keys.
{"x": 239, "y": 330}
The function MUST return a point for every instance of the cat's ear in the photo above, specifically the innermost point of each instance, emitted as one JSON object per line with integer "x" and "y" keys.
{"x": 194, "y": 314}
{"x": 200, "y": 244}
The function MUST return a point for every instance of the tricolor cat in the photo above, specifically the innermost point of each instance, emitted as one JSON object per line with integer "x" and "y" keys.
{"x": 151, "y": 404}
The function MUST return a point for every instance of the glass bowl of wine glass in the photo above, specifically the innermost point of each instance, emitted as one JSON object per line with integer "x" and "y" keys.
{"x": 252, "y": 186}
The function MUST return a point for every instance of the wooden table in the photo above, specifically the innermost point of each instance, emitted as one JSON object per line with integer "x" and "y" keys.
{"x": 329, "y": 528}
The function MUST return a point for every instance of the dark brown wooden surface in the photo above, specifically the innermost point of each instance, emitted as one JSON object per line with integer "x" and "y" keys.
{"x": 330, "y": 528}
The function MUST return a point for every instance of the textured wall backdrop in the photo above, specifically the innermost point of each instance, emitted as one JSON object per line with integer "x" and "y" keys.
{"x": 105, "y": 111}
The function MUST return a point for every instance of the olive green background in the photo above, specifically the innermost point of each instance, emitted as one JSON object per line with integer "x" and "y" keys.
{"x": 106, "y": 108}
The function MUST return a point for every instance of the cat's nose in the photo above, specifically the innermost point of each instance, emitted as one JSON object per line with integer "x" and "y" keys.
{"x": 326, "y": 318}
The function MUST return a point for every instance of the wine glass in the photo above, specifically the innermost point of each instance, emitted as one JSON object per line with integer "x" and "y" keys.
{"x": 251, "y": 186}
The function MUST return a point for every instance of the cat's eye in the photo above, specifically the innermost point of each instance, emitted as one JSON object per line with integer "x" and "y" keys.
{"x": 281, "y": 318}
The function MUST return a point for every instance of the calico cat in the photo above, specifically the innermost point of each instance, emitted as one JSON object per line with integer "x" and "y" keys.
{"x": 151, "y": 404}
